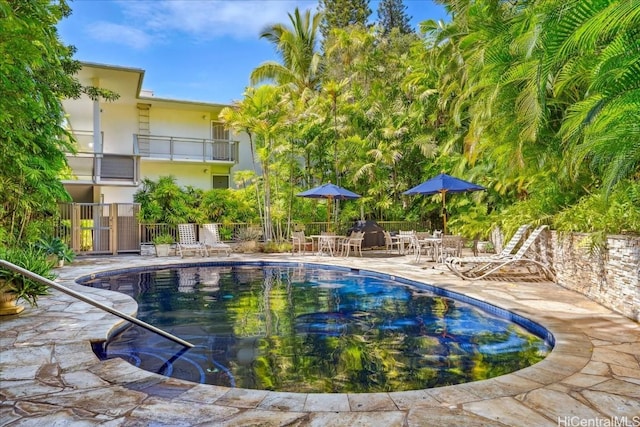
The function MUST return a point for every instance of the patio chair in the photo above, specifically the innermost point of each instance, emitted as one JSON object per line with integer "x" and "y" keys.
{"x": 450, "y": 246}
{"x": 328, "y": 242}
{"x": 354, "y": 241}
{"x": 474, "y": 268}
{"x": 407, "y": 239}
{"x": 392, "y": 241}
{"x": 187, "y": 240}
{"x": 430, "y": 244}
{"x": 300, "y": 242}
{"x": 210, "y": 237}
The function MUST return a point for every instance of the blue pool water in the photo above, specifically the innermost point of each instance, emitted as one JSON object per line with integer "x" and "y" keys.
{"x": 308, "y": 328}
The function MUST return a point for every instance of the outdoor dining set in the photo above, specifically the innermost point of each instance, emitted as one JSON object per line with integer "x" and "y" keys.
{"x": 434, "y": 245}
{"x": 519, "y": 253}
{"x": 328, "y": 243}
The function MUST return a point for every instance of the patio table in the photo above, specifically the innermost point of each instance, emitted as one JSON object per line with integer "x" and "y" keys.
{"x": 432, "y": 243}
{"x": 326, "y": 242}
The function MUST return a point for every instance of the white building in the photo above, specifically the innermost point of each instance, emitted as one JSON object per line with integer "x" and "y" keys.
{"x": 143, "y": 136}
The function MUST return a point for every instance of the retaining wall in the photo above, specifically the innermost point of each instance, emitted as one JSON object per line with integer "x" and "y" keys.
{"x": 610, "y": 276}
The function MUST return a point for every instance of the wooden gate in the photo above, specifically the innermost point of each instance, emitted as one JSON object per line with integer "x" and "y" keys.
{"x": 100, "y": 228}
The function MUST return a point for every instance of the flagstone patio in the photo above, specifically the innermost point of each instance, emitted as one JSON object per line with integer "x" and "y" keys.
{"x": 50, "y": 376}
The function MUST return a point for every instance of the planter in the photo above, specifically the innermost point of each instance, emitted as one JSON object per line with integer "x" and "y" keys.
{"x": 162, "y": 250}
{"x": 57, "y": 262}
{"x": 248, "y": 247}
{"x": 8, "y": 304}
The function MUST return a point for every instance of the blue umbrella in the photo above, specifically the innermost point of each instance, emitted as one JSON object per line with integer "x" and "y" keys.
{"x": 444, "y": 184}
{"x": 329, "y": 191}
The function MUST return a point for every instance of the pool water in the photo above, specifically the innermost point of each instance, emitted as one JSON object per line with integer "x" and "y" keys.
{"x": 304, "y": 329}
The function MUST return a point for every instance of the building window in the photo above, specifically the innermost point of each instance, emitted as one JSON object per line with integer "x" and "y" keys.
{"x": 220, "y": 181}
{"x": 218, "y": 132}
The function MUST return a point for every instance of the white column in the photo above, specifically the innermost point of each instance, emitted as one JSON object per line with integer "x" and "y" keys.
{"x": 97, "y": 136}
{"x": 97, "y": 127}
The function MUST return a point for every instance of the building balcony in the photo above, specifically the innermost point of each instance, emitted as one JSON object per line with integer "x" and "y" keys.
{"x": 96, "y": 168}
{"x": 88, "y": 166}
{"x": 180, "y": 149}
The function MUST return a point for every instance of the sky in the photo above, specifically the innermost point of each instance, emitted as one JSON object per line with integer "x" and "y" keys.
{"x": 197, "y": 50}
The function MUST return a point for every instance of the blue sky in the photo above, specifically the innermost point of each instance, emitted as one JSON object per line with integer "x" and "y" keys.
{"x": 200, "y": 50}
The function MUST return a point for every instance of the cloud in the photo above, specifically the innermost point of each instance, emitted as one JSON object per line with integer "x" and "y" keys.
{"x": 141, "y": 23}
{"x": 121, "y": 34}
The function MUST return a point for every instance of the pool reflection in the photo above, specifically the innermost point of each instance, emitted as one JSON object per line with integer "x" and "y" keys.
{"x": 312, "y": 330}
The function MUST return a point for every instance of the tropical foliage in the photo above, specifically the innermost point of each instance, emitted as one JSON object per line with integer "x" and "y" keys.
{"x": 165, "y": 202}
{"x": 537, "y": 101}
{"x": 29, "y": 258}
{"x": 36, "y": 73}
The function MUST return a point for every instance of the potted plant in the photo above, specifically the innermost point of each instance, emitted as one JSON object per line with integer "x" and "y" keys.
{"x": 248, "y": 239}
{"x": 56, "y": 249}
{"x": 14, "y": 286}
{"x": 163, "y": 243}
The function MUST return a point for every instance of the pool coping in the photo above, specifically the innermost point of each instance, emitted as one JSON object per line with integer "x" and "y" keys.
{"x": 150, "y": 395}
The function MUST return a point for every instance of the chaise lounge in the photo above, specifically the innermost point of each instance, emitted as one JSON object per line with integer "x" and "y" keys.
{"x": 475, "y": 268}
{"x": 187, "y": 241}
{"x": 210, "y": 238}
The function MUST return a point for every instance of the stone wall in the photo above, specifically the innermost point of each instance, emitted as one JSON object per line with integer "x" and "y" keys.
{"x": 610, "y": 276}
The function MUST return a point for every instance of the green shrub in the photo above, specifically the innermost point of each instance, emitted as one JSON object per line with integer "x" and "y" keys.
{"x": 29, "y": 258}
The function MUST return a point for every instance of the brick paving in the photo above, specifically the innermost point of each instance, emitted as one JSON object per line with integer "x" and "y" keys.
{"x": 49, "y": 375}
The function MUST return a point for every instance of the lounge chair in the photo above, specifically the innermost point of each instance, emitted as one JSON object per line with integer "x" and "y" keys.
{"x": 517, "y": 237}
{"x": 474, "y": 268}
{"x": 187, "y": 240}
{"x": 506, "y": 252}
{"x": 210, "y": 237}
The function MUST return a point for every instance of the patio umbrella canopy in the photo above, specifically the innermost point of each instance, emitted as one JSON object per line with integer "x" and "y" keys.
{"x": 444, "y": 184}
{"x": 330, "y": 192}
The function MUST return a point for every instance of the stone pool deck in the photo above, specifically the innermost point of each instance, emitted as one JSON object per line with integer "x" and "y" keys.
{"x": 49, "y": 375}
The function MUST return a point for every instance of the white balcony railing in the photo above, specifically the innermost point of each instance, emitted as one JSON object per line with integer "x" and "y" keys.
{"x": 185, "y": 149}
{"x": 119, "y": 169}
{"x": 90, "y": 166}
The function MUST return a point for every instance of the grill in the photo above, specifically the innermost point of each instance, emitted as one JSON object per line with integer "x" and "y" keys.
{"x": 373, "y": 233}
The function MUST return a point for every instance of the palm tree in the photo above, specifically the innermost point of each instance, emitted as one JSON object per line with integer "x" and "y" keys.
{"x": 297, "y": 46}
{"x": 261, "y": 114}
{"x": 594, "y": 50}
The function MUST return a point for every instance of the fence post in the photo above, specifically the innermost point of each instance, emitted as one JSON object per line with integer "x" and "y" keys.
{"x": 113, "y": 228}
{"x": 76, "y": 234}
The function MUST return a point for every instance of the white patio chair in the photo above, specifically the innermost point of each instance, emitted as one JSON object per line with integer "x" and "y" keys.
{"x": 392, "y": 241}
{"x": 187, "y": 240}
{"x": 210, "y": 237}
{"x": 407, "y": 239}
{"x": 354, "y": 241}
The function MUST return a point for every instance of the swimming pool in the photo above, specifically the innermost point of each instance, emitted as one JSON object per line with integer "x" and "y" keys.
{"x": 309, "y": 328}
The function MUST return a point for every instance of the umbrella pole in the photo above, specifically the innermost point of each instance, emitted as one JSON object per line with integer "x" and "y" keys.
{"x": 329, "y": 203}
{"x": 444, "y": 213}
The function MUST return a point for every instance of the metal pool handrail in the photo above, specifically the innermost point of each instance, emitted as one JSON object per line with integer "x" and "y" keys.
{"x": 93, "y": 302}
